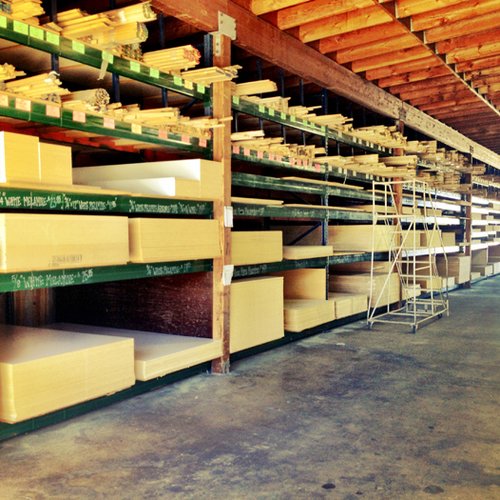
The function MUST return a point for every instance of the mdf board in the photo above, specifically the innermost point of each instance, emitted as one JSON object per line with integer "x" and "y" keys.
{"x": 434, "y": 283}
{"x": 475, "y": 275}
{"x": 449, "y": 238}
{"x": 360, "y": 237}
{"x": 348, "y": 304}
{"x": 361, "y": 284}
{"x": 411, "y": 291}
{"x": 412, "y": 239}
{"x": 479, "y": 257}
{"x": 431, "y": 239}
{"x": 297, "y": 252}
{"x": 363, "y": 267}
{"x": 156, "y": 354}
{"x": 207, "y": 173}
{"x": 55, "y": 164}
{"x": 256, "y": 312}
{"x": 19, "y": 160}
{"x": 44, "y": 370}
{"x": 166, "y": 186}
{"x": 168, "y": 240}
{"x": 304, "y": 284}
{"x": 496, "y": 267}
{"x": 256, "y": 247}
{"x": 301, "y": 314}
{"x": 484, "y": 270}
{"x": 459, "y": 266}
{"x": 31, "y": 242}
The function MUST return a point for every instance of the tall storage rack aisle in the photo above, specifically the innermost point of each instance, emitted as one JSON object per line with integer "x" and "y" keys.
{"x": 157, "y": 247}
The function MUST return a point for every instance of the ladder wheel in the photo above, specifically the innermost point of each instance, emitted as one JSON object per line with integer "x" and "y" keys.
{"x": 414, "y": 329}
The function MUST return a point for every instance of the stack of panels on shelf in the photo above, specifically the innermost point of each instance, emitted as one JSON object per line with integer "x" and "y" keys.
{"x": 31, "y": 242}
{"x": 157, "y": 354}
{"x": 168, "y": 240}
{"x": 483, "y": 270}
{"x": 301, "y": 314}
{"x": 297, "y": 252}
{"x": 361, "y": 284}
{"x": 424, "y": 269}
{"x": 412, "y": 238}
{"x": 43, "y": 370}
{"x": 459, "y": 267}
{"x": 449, "y": 238}
{"x": 256, "y": 312}
{"x": 304, "y": 284}
{"x": 256, "y": 247}
{"x": 348, "y": 304}
{"x": 188, "y": 179}
{"x": 19, "y": 158}
{"x": 431, "y": 239}
{"x": 55, "y": 164}
{"x": 494, "y": 258}
{"x": 362, "y": 237}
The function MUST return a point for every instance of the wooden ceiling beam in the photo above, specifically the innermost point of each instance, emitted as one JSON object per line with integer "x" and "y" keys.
{"x": 312, "y": 11}
{"x": 483, "y": 73}
{"x": 479, "y": 64}
{"x": 414, "y": 76}
{"x": 406, "y": 8}
{"x": 445, "y": 98}
{"x": 490, "y": 88}
{"x": 452, "y": 13}
{"x": 431, "y": 91}
{"x": 472, "y": 53}
{"x": 460, "y": 101}
{"x": 358, "y": 37}
{"x": 422, "y": 85}
{"x": 363, "y": 51}
{"x": 259, "y": 7}
{"x": 467, "y": 26}
{"x": 266, "y": 41}
{"x": 458, "y": 111}
{"x": 396, "y": 57}
{"x": 342, "y": 23}
{"x": 398, "y": 69}
{"x": 469, "y": 41}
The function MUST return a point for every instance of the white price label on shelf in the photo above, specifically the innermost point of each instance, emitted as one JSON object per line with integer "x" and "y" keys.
{"x": 236, "y": 99}
{"x": 228, "y": 217}
{"x": 186, "y": 139}
{"x": 135, "y": 66}
{"x": 154, "y": 73}
{"x": 53, "y": 111}
{"x": 79, "y": 116}
{"x": 108, "y": 122}
{"x": 246, "y": 152}
{"x": 4, "y": 101}
{"x": 53, "y": 38}
{"x": 37, "y": 33}
{"x": 203, "y": 143}
{"x": 201, "y": 88}
{"x": 260, "y": 155}
{"x": 20, "y": 27}
{"x": 136, "y": 128}
{"x": 271, "y": 111}
{"x": 227, "y": 274}
{"x": 317, "y": 167}
{"x": 23, "y": 104}
{"x": 178, "y": 81}
{"x": 108, "y": 57}
{"x": 189, "y": 84}
{"x": 3, "y": 22}
{"x": 236, "y": 150}
{"x": 163, "y": 134}
{"x": 78, "y": 46}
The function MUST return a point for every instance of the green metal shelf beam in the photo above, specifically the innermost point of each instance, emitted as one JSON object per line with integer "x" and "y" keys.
{"x": 273, "y": 267}
{"x": 277, "y": 211}
{"x": 47, "y": 41}
{"x": 41, "y": 200}
{"x": 31, "y": 280}
{"x": 274, "y": 183}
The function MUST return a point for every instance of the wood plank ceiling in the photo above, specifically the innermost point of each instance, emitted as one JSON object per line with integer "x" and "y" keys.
{"x": 441, "y": 56}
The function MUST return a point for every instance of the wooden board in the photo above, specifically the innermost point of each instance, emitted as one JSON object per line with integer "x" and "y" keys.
{"x": 430, "y": 239}
{"x": 256, "y": 247}
{"x": 362, "y": 267}
{"x": 156, "y": 354}
{"x": 348, "y": 304}
{"x": 55, "y": 164}
{"x": 168, "y": 240}
{"x": 301, "y": 314}
{"x": 304, "y": 283}
{"x": 255, "y": 201}
{"x": 359, "y": 237}
{"x": 207, "y": 173}
{"x": 324, "y": 183}
{"x": 297, "y": 252}
{"x": 40, "y": 241}
{"x": 484, "y": 270}
{"x": 19, "y": 160}
{"x": 256, "y": 312}
{"x": 43, "y": 370}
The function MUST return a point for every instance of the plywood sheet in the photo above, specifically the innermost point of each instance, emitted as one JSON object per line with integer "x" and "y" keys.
{"x": 297, "y": 252}
{"x": 157, "y": 354}
{"x": 168, "y": 240}
{"x": 256, "y": 312}
{"x": 342, "y": 304}
{"x": 431, "y": 239}
{"x": 301, "y": 314}
{"x": 304, "y": 283}
{"x": 459, "y": 266}
{"x": 40, "y": 241}
{"x": 359, "y": 237}
{"x": 43, "y": 370}
{"x": 19, "y": 160}
{"x": 256, "y": 247}
{"x": 255, "y": 201}
{"x": 207, "y": 173}
{"x": 55, "y": 164}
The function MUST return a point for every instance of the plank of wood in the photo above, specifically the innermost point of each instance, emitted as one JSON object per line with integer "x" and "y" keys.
{"x": 19, "y": 160}
{"x": 41, "y": 241}
{"x": 359, "y": 237}
{"x": 156, "y": 354}
{"x": 298, "y": 252}
{"x": 304, "y": 283}
{"x": 348, "y": 304}
{"x": 256, "y": 312}
{"x": 169, "y": 240}
{"x": 325, "y": 183}
{"x": 301, "y": 314}
{"x": 55, "y": 164}
{"x": 256, "y": 247}
{"x": 255, "y": 201}
{"x": 44, "y": 370}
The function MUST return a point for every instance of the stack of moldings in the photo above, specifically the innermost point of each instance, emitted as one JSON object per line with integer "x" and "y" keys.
{"x": 185, "y": 179}
{"x": 256, "y": 312}
{"x": 44, "y": 370}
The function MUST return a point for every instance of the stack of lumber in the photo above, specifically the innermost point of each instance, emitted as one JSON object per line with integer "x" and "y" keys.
{"x": 252, "y": 88}
{"x": 277, "y": 103}
{"x": 348, "y": 304}
{"x": 361, "y": 237}
{"x": 43, "y": 86}
{"x": 256, "y": 247}
{"x": 158, "y": 117}
{"x": 123, "y": 34}
{"x": 135, "y": 13}
{"x": 51, "y": 241}
{"x": 185, "y": 179}
{"x": 372, "y": 164}
{"x": 337, "y": 121}
{"x": 256, "y": 312}
{"x": 421, "y": 147}
{"x": 174, "y": 59}
{"x": 302, "y": 112}
{"x": 87, "y": 100}
{"x": 170, "y": 240}
{"x": 25, "y": 9}
{"x": 43, "y": 370}
{"x": 388, "y": 137}
{"x": 207, "y": 76}
{"x": 156, "y": 354}
{"x": 298, "y": 252}
{"x": 8, "y": 72}
{"x": 400, "y": 161}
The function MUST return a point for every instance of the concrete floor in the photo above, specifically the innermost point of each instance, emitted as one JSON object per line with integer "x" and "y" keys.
{"x": 344, "y": 415}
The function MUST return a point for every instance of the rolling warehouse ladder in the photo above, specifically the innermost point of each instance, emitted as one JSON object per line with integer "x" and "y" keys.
{"x": 422, "y": 294}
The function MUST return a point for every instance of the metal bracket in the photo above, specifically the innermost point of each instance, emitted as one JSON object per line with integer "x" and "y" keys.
{"x": 227, "y": 27}
{"x": 228, "y": 217}
{"x": 227, "y": 274}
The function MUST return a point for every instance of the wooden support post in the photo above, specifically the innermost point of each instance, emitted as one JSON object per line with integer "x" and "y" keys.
{"x": 398, "y": 196}
{"x": 222, "y": 153}
{"x": 468, "y": 222}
